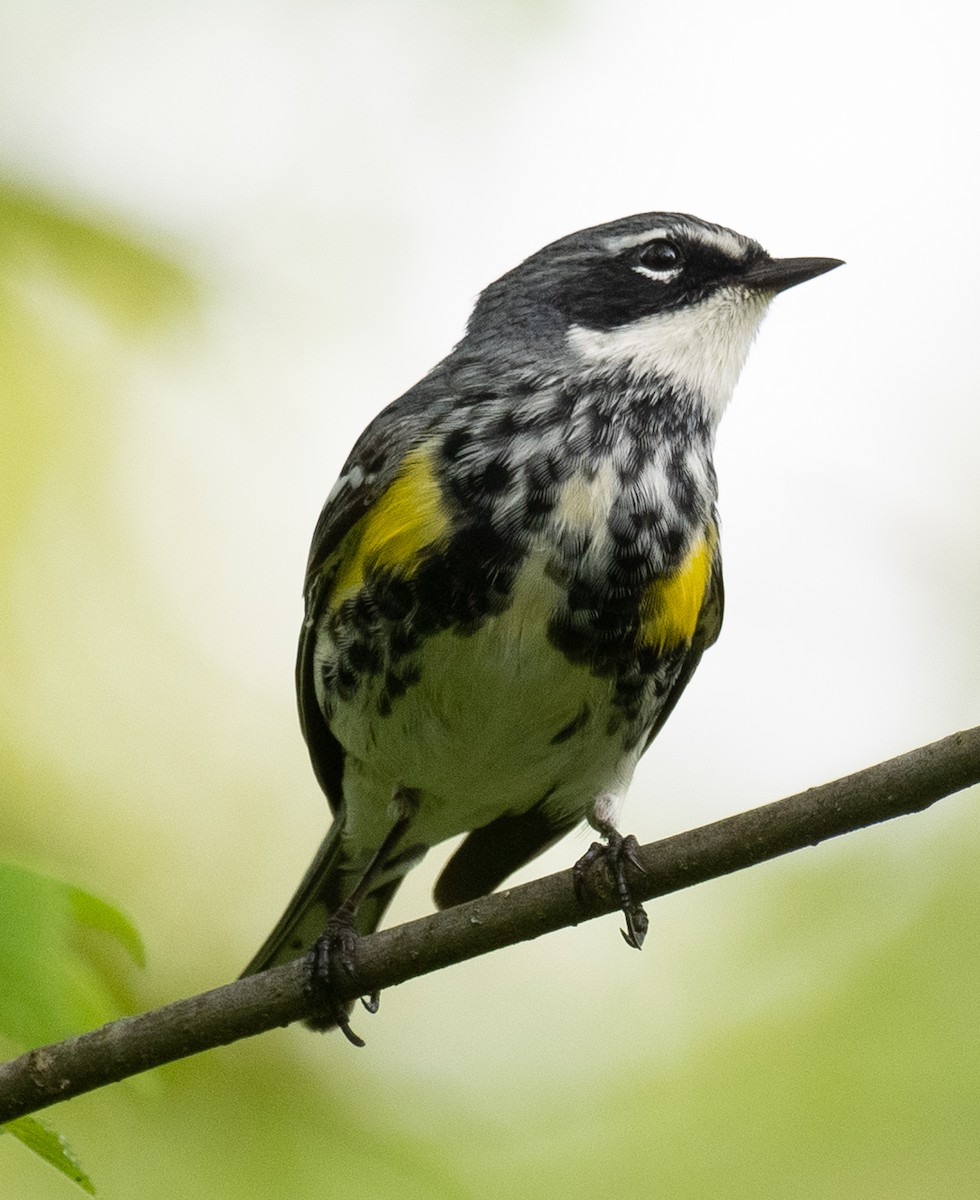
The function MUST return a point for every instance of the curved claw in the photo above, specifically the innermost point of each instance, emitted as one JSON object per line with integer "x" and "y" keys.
{"x": 349, "y": 1034}
{"x": 637, "y": 925}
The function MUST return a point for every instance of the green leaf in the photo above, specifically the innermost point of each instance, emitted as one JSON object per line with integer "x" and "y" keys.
{"x": 50, "y": 1146}
{"x": 91, "y": 912}
{"x": 56, "y": 979}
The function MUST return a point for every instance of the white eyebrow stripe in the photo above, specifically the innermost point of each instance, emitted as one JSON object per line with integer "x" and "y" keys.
{"x": 728, "y": 243}
{"x": 628, "y": 240}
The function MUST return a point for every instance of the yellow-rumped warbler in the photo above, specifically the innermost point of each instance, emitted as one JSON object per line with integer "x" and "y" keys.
{"x": 518, "y": 570}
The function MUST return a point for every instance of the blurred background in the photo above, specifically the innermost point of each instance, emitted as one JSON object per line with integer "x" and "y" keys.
{"x": 229, "y": 234}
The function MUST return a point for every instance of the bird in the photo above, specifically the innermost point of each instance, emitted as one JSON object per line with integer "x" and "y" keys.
{"x": 518, "y": 570}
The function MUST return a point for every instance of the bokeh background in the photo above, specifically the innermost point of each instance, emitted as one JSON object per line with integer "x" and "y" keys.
{"x": 229, "y": 233}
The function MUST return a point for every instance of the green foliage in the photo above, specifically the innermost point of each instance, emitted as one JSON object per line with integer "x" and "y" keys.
{"x": 56, "y": 977}
{"x": 74, "y": 292}
{"x": 50, "y": 1146}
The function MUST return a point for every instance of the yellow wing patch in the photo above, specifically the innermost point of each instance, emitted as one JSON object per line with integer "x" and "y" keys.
{"x": 671, "y": 606}
{"x": 408, "y": 518}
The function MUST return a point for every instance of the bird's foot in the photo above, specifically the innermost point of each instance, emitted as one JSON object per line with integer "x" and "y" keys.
{"x": 617, "y": 853}
{"x": 333, "y": 959}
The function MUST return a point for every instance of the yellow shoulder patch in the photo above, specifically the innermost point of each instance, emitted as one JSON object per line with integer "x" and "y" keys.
{"x": 671, "y": 606}
{"x": 407, "y": 519}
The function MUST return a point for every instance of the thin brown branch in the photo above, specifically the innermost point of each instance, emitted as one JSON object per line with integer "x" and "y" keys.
{"x": 249, "y": 1006}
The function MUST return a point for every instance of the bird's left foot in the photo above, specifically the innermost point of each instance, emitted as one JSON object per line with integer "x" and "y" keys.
{"x": 332, "y": 959}
{"x": 618, "y": 853}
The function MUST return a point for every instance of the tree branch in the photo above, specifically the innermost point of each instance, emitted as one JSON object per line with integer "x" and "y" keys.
{"x": 249, "y": 1006}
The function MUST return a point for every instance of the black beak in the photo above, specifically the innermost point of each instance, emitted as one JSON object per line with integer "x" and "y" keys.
{"x": 778, "y": 274}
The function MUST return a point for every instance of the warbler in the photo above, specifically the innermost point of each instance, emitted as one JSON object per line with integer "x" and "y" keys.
{"x": 518, "y": 570}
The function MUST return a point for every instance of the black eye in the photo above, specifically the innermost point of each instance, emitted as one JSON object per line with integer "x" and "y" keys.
{"x": 662, "y": 255}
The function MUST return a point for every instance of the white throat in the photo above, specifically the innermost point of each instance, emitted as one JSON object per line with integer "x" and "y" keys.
{"x": 700, "y": 348}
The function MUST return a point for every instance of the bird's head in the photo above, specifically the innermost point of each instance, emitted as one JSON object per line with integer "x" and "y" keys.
{"x": 658, "y": 298}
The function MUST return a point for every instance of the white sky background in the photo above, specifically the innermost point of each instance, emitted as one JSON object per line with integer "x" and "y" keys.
{"x": 347, "y": 177}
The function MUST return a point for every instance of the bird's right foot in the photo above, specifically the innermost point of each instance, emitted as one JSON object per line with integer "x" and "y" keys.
{"x": 619, "y": 854}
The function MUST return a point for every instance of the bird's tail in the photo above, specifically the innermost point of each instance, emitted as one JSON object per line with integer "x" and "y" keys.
{"x": 326, "y": 884}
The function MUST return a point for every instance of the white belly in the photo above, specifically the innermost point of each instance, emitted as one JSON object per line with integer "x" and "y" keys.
{"x": 475, "y": 736}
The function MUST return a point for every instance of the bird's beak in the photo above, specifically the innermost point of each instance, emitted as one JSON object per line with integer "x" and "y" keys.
{"x": 778, "y": 274}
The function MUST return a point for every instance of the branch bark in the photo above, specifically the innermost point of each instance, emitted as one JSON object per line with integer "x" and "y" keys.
{"x": 902, "y": 785}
